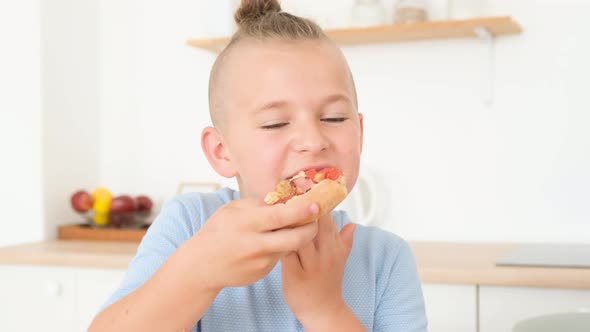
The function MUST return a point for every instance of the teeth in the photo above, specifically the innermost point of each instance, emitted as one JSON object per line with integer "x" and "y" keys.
{"x": 301, "y": 174}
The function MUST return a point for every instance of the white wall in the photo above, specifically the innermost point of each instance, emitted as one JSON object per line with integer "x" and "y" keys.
{"x": 71, "y": 117}
{"x": 515, "y": 171}
{"x": 49, "y": 113}
{"x": 20, "y": 122}
{"x": 153, "y": 96}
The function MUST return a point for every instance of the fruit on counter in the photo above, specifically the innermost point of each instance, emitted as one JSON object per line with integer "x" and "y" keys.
{"x": 102, "y": 194}
{"x": 119, "y": 220}
{"x": 123, "y": 204}
{"x": 144, "y": 203}
{"x": 81, "y": 201}
{"x": 100, "y": 218}
{"x": 102, "y": 200}
{"x": 127, "y": 212}
{"x": 102, "y": 209}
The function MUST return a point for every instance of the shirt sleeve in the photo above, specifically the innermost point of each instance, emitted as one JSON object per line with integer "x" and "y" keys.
{"x": 401, "y": 307}
{"x": 168, "y": 231}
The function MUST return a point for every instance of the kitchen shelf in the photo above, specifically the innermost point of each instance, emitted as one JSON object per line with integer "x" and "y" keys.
{"x": 471, "y": 28}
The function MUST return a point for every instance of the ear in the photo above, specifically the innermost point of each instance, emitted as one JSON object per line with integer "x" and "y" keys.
{"x": 362, "y": 130}
{"x": 216, "y": 152}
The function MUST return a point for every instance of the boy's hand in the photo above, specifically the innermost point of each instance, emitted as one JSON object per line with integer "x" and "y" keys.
{"x": 243, "y": 241}
{"x": 312, "y": 275}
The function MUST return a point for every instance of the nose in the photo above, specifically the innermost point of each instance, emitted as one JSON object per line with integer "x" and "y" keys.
{"x": 310, "y": 138}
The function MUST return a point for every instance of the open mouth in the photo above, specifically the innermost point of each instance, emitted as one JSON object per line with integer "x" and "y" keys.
{"x": 308, "y": 170}
{"x": 302, "y": 182}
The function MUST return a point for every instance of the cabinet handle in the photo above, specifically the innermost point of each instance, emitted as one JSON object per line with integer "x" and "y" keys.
{"x": 53, "y": 289}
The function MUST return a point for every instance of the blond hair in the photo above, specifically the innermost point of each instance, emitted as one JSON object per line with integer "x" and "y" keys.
{"x": 263, "y": 19}
{"x": 258, "y": 20}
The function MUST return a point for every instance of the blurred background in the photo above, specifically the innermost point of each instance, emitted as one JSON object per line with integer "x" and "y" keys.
{"x": 468, "y": 140}
{"x": 108, "y": 93}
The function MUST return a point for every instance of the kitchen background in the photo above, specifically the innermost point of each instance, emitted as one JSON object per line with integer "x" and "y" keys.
{"x": 98, "y": 92}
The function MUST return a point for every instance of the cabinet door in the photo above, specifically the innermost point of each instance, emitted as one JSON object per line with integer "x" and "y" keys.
{"x": 95, "y": 286}
{"x": 502, "y": 307}
{"x": 451, "y": 308}
{"x": 34, "y": 298}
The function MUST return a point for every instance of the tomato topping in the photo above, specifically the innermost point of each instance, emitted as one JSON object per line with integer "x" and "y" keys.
{"x": 319, "y": 177}
{"x": 310, "y": 173}
{"x": 333, "y": 173}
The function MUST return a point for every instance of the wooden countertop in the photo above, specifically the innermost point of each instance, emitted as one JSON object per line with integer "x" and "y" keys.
{"x": 475, "y": 263}
{"x": 89, "y": 254}
{"x": 438, "y": 262}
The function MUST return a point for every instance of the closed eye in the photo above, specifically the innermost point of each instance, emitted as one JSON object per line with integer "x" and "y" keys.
{"x": 334, "y": 120}
{"x": 275, "y": 125}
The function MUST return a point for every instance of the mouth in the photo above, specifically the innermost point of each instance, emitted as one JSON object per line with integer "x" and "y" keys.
{"x": 316, "y": 167}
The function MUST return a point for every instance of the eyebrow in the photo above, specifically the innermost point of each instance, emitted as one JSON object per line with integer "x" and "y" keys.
{"x": 282, "y": 103}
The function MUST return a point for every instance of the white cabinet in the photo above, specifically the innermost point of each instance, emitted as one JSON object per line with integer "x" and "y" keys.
{"x": 43, "y": 298}
{"x": 501, "y": 307}
{"x": 451, "y": 308}
{"x": 39, "y": 298}
{"x": 36, "y": 299}
{"x": 94, "y": 288}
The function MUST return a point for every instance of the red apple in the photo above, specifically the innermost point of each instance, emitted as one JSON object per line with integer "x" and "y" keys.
{"x": 120, "y": 220}
{"x": 123, "y": 204}
{"x": 81, "y": 201}
{"x": 144, "y": 203}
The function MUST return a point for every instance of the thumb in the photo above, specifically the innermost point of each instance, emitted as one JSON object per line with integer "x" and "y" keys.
{"x": 347, "y": 233}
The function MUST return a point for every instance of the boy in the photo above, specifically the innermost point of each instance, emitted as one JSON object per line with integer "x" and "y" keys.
{"x": 282, "y": 99}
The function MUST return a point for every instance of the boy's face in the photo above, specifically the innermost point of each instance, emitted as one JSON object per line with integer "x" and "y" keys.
{"x": 290, "y": 106}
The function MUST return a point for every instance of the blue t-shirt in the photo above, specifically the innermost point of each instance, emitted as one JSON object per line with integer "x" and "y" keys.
{"x": 380, "y": 284}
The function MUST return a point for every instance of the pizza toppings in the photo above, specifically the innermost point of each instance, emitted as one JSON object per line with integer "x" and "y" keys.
{"x": 301, "y": 183}
{"x": 282, "y": 193}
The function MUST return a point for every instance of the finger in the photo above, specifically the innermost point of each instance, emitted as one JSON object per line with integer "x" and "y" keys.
{"x": 290, "y": 264}
{"x": 289, "y": 239}
{"x": 347, "y": 235}
{"x": 316, "y": 240}
{"x": 284, "y": 215}
{"x": 307, "y": 256}
{"x": 327, "y": 231}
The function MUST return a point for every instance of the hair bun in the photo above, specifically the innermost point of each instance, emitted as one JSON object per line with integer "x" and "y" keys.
{"x": 252, "y": 10}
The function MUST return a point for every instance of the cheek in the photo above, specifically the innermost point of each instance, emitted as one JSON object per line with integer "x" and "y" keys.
{"x": 264, "y": 162}
{"x": 267, "y": 149}
{"x": 350, "y": 153}
{"x": 269, "y": 160}
{"x": 350, "y": 143}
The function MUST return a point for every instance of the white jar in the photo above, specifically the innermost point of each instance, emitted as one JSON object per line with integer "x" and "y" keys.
{"x": 366, "y": 13}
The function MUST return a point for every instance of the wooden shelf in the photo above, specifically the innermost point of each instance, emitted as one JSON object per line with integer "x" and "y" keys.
{"x": 496, "y": 26}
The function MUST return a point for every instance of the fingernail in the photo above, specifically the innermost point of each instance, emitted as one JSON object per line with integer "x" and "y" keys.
{"x": 314, "y": 208}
